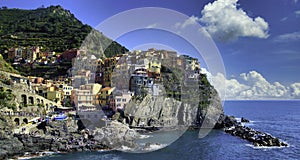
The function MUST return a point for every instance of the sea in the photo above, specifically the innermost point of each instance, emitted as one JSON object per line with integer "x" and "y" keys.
{"x": 279, "y": 118}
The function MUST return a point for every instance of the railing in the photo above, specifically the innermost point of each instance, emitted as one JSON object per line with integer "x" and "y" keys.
{"x": 22, "y": 114}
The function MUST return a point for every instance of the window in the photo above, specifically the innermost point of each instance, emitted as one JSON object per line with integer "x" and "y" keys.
{"x": 124, "y": 100}
{"x": 119, "y": 100}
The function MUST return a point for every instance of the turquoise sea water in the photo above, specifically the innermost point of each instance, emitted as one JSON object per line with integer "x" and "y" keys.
{"x": 279, "y": 118}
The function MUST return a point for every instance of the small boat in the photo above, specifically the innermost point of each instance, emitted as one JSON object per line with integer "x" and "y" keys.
{"x": 60, "y": 117}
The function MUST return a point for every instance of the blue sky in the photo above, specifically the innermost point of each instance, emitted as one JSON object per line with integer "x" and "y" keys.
{"x": 258, "y": 40}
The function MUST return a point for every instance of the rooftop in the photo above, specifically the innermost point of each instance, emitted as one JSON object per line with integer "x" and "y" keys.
{"x": 105, "y": 89}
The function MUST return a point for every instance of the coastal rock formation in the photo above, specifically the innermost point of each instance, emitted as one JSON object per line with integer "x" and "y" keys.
{"x": 154, "y": 111}
{"x": 225, "y": 121}
{"x": 10, "y": 146}
{"x": 244, "y": 120}
{"x": 116, "y": 135}
{"x": 63, "y": 136}
{"x": 257, "y": 138}
{"x": 160, "y": 111}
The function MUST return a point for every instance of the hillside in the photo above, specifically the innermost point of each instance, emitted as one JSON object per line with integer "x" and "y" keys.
{"x": 53, "y": 28}
{"x": 4, "y": 66}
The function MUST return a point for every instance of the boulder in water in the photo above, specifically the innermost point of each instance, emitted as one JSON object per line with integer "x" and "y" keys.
{"x": 244, "y": 120}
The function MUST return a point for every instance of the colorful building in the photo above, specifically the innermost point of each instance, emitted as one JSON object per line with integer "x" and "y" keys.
{"x": 122, "y": 99}
{"x": 31, "y": 53}
{"x": 54, "y": 94}
{"x": 139, "y": 82}
{"x": 67, "y": 90}
{"x": 72, "y": 53}
{"x": 191, "y": 63}
{"x": 104, "y": 94}
{"x": 108, "y": 68}
{"x": 15, "y": 53}
{"x": 85, "y": 98}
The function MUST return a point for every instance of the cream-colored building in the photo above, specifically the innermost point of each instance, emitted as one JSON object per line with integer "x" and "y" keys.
{"x": 85, "y": 98}
{"x": 122, "y": 99}
{"x": 66, "y": 90}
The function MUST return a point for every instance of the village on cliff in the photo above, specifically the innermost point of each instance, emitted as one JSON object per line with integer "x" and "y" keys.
{"x": 94, "y": 88}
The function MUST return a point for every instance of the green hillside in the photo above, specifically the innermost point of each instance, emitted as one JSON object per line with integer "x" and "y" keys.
{"x": 4, "y": 66}
{"x": 53, "y": 28}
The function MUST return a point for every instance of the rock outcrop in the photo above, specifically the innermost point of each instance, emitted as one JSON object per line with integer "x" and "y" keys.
{"x": 63, "y": 136}
{"x": 244, "y": 120}
{"x": 160, "y": 111}
{"x": 257, "y": 138}
{"x": 154, "y": 111}
{"x": 116, "y": 135}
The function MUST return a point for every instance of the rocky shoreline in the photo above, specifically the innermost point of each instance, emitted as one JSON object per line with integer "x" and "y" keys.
{"x": 56, "y": 138}
{"x": 259, "y": 139}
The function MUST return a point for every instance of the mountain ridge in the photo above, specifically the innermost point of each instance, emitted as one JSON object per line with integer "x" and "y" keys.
{"x": 54, "y": 28}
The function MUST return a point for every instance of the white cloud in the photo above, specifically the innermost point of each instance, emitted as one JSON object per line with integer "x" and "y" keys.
{"x": 154, "y": 25}
{"x": 225, "y": 21}
{"x": 297, "y": 13}
{"x": 288, "y": 37}
{"x": 190, "y": 21}
{"x": 295, "y": 90}
{"x": 284, "y": 19}
{"x": 253, "y": 86}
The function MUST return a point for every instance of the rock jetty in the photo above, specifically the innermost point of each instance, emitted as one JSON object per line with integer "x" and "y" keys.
{"x": 257, "y": 138}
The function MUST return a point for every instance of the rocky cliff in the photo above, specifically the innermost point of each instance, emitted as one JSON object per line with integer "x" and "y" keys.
{"x": 202, "y": 108}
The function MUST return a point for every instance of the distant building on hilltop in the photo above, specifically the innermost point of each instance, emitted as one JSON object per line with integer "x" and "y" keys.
{"x": 72, "y": 53}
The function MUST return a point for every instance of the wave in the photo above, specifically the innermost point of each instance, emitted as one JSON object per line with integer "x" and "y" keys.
{"x": 144, "y": 136}
{"x": 238, "y": 119}
{"x": 153, "y": 147}
{"x": 247, "y": 124}
{"x": 125, "y": 148}
{"x": 103, "y": 150}
{"x": 250, "y": 123}
{"x": 267, "y": 147}
{"x": 39, "y": 154}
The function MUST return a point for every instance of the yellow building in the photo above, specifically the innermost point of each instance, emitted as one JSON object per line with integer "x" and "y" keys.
{"x": 85, "y": 96}
{"x": 94, "y": 89}
{"x": 195, "y": 64}
{"x": 104, "y": 95}
{"x": 155, "y": 66}
{"x": 54, "y": 94}
{"x": 191, "y": 63}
